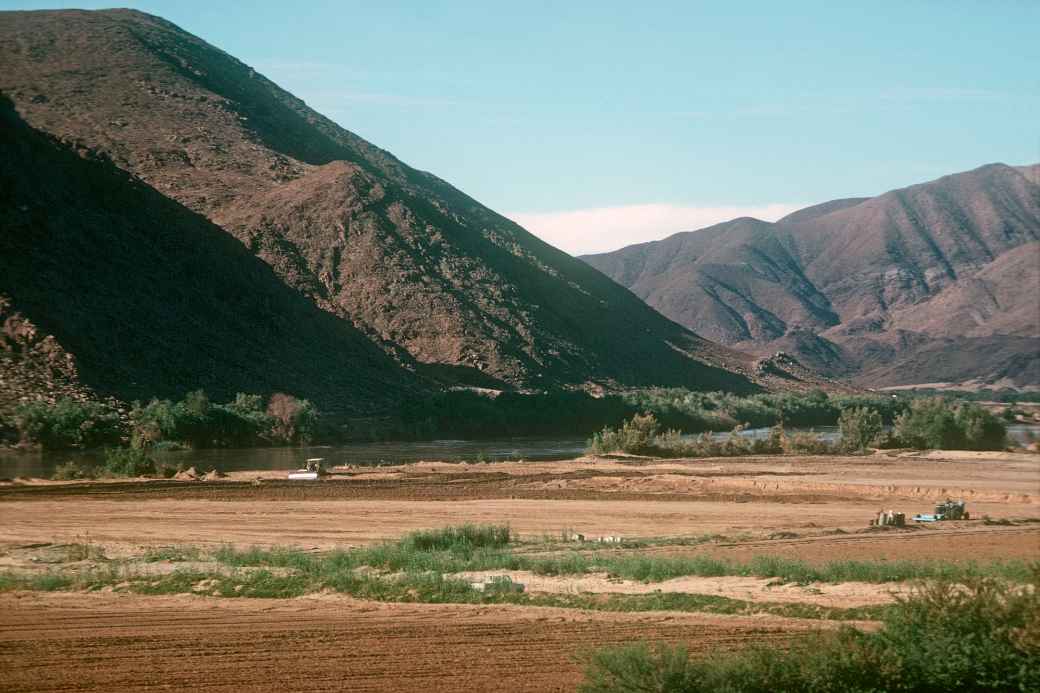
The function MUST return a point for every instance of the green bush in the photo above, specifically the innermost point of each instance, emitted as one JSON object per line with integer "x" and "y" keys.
{"x": 127, "y": 462}
{"x": 642, "y": 435}
{"x": 462, "y": 538}
{"x": 860, "y": 428}
{"x": 982, "y": 430}
{"x": 199, "y": 423}
{"x": 980, "y": 636}
{"x": 637, "y": 436}
{"x": 68, "y": 423}
{"x": 939, "y": 423}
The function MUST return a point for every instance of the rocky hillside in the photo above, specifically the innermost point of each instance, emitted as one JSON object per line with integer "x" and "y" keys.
{"x": 427, "y": 273}
{"x": 107, "y": 286}
{"x": 937, "y": 282}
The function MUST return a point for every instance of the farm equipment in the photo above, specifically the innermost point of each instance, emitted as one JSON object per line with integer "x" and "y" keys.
{"x": 947, "y": 510}
{"x": 889, "y": 518}
{"x": 311, "y": 472}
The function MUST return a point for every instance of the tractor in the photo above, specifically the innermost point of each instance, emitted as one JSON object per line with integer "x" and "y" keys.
{"x": 947, "y": 510}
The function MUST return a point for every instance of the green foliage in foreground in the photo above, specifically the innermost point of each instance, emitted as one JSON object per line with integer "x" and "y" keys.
{"x": 983, "y": 636}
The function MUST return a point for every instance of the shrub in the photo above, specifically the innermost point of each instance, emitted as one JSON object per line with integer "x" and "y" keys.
{"x": 67, "y": 423}
{"x": 929, "y": 423}
{"x": 127, "y": 462}
{"x": 981, "y": 636}
{"x": 806, "y": 443}
{"x": 463, "y": 538}
{"x": 639, "y": 669}
{"x": 197, "y": 421}
{"x": 982, "y": 430}
{"x": 294, "y": 420}
{"x": 860, "y": 428}
{"x": 152, "y": 423}
{"x": 936, "y": 423}
{"x": 637, "y": 436}
{"x": 73, "y": 470}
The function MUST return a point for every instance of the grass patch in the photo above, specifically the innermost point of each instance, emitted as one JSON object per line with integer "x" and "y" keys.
{"x": 454, "y": 550}
{"x": 172, "y": 554}
{"x": 463, "y": 538}
{"x": 50, "y": 581}
{"x": 427, "y": 588}
{"x": 414, "y": 569}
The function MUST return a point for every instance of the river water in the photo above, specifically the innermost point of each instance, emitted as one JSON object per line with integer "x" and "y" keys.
{"x": 42, "y": 463}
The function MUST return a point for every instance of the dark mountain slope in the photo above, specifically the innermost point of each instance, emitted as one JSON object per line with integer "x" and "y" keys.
{"x": 947, "y": 268}
{"x": 401, "y": 254}
{"x": 152, "y": 299}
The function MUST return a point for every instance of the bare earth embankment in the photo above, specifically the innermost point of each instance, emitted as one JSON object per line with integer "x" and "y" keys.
{"x": 813, "y": 509}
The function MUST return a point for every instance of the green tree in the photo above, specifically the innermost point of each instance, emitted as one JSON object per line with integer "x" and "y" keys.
{"x": 860, "y": 428}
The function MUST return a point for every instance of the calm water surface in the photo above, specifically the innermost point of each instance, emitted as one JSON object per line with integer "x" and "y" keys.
{"x": 42, "y": 464}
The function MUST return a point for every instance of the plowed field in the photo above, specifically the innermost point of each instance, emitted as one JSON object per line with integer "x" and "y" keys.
{"x": 815, "y": 509}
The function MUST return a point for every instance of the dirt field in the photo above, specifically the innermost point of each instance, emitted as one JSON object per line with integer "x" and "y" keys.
{"x": 124, "y": 643}
{"x": 816, "y": 509}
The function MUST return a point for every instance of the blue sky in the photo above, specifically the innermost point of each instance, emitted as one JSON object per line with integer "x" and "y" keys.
{"x": 597, "y": 124}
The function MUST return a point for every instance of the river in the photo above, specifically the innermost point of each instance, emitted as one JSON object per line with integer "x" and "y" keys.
{"x": 42, "y": 463}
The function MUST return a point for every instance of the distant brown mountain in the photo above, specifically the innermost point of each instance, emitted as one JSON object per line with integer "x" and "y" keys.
{"x": 446, "y": 286}
{"x": 938, "y": 282}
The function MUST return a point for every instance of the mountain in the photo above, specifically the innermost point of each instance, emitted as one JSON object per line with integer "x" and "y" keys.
{"x": 445, "y": 286}
{"x": 937, "y": 282}
{"x": 149, "y": 298}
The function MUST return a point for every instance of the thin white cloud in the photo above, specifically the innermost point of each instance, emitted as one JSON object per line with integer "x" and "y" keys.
{"x": 602, "y": 229}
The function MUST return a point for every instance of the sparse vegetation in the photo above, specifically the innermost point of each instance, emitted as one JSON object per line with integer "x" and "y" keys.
{"x": 477, "y": 548}
{"x": 422, "y": 567}
{"x": 642, "y": 436}
{"x": 931, "y": 423}
{"x": 73, "y": 470}
{"x": 982, "y": 636}
{"x": 467, "y": 414}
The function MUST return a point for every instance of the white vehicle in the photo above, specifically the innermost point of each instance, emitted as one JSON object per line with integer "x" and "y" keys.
{"x": 312, "y": 472}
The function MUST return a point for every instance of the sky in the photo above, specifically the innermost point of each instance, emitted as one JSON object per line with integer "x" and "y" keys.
{"x": 599, "y": 124}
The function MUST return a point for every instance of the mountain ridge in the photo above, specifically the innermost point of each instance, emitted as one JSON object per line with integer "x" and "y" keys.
{"x": 434, "y": 278}
{"x": 851, "y": 285}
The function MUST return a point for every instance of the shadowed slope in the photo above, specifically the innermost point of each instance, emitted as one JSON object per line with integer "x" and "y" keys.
{"x": 407, "y": 258}
{"x": 152, "y": 299}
